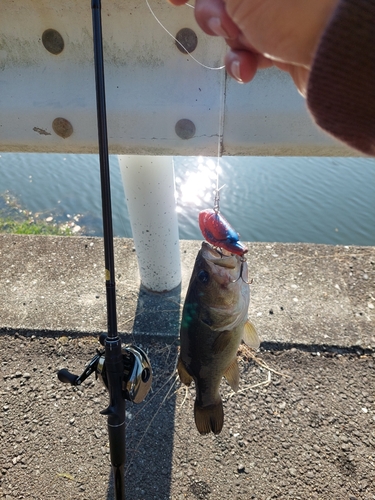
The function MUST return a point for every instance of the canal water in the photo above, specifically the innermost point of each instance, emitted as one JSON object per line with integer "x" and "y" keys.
{"x": 283, "y": 199}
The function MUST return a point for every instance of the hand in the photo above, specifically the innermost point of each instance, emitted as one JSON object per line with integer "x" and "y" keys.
{"x": 264, "y": 33}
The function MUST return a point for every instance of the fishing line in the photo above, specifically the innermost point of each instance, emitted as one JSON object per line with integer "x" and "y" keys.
{"x": 181, "y": 45}
{"x": 153, "y": 417}
{"x": 220, "y": 142}
{"x": 149, "y": 400}
{"x": 221, "y": 107}
{"x": 219, "y": 154}
{"x": 134, "y": 417}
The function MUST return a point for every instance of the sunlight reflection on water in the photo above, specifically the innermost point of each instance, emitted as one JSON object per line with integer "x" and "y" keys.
{"x": 289, "y": 199}
{"x": 197, "y": 186}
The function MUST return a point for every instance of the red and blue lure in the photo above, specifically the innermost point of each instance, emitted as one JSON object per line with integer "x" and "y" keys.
{"x": 217, "y": 231}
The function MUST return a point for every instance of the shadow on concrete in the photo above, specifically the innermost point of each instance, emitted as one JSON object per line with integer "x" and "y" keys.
{"x": 157, "y": 314}
{"x": 150, "y": 424}
{"x": 173, "y": 341}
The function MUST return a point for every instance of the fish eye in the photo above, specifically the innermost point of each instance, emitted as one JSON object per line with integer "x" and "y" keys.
{"x": 203, "y": 276}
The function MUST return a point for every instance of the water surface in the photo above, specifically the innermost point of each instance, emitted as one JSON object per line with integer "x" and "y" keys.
{"x": 284, "y": 199}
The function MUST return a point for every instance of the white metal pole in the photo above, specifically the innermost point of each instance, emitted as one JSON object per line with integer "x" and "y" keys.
{"x": 150, "y": 195}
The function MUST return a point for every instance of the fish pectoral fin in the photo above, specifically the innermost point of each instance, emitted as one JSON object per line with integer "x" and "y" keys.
{"x": 185, "y": 377}
{"x": 250, "y": 335}
{"x": 232, "y": 375}
{"x": 221, "y": 342}
{"x": 209, "y": 418}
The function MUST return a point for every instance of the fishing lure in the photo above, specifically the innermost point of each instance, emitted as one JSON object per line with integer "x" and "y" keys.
{"x": 217, "y": 231}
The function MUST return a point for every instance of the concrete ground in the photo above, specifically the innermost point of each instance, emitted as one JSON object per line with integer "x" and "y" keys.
{"x": 301, "y": 426}
{"x": 302, "y": 294}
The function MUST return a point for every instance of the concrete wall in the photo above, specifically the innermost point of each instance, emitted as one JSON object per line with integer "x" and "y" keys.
{"x": 47, "y": 89}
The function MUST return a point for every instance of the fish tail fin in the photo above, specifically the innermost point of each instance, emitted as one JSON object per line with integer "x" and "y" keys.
{"x": 209, "y": 418}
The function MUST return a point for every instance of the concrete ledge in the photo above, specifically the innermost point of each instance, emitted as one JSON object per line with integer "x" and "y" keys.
{"x": 302, "y": 294}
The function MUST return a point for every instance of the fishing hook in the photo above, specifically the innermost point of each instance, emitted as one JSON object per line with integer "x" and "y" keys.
{"x": 243, "y": 260}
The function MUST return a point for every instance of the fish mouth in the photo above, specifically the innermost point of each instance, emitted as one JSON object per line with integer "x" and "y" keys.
{"x": 221, "y": 257}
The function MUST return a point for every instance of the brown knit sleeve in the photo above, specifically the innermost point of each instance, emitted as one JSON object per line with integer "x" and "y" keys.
{"x": 341, "y": 87}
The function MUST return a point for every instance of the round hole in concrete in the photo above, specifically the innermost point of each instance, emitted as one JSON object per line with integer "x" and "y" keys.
{"x": 185, "y": 129}
{"x": 187, "y": 39}
{"x": 62, "y": 127}
{"x": 53, "y": 41}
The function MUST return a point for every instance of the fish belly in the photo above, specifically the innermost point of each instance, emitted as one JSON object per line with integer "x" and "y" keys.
{"x": 206, "y": 356}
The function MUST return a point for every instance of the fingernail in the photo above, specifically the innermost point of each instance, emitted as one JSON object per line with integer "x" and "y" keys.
{"x": 215, "y": 25}
{"x": 235, "y": 70}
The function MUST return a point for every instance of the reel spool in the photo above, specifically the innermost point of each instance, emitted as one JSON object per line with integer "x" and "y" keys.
{"x": 137, "y": 378}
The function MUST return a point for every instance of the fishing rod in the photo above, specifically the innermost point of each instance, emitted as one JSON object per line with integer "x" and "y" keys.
{"x": 125, "y": 370}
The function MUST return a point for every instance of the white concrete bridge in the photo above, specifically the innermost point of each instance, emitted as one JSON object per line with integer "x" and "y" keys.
{"x": 160, "y": 101}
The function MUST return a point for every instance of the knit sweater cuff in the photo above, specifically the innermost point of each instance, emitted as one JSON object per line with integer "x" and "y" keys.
{"x": 341, "y": 87}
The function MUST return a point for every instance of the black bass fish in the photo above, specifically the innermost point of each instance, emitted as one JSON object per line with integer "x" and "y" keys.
{"x": 214, "y": 320}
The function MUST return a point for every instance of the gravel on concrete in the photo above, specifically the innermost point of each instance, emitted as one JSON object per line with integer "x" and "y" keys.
{"x": 302, "y": 425}
{"x": 308, "y": 432}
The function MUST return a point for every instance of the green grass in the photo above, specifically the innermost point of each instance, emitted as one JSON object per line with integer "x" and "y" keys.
{"x": 31, "y": 226}
{"x": 15, "y": 219}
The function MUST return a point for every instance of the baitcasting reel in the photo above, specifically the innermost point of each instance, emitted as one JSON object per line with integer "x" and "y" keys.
{"x": 137, "y": 378}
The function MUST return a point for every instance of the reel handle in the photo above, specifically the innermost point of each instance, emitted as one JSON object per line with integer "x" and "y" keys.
{"x": 67, "y": 377}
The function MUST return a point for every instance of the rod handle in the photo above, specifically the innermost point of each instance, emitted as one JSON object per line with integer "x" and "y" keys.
{"x": 66, "y": 377}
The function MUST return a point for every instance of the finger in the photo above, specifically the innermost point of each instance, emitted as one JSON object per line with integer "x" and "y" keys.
{"x": 300, "y": 76}
{"x": 177, "y": 2}
{"x": 241, "y": 65}
{"x": 212, "y": 17}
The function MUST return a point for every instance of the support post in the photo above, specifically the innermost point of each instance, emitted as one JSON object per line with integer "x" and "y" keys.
{"x": 150, "y": 195}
